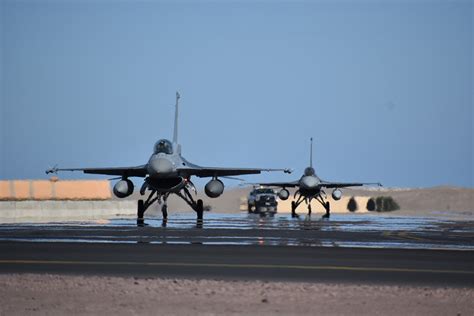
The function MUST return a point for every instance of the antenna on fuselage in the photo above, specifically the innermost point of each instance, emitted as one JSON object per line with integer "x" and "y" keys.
{"x": 175, "y": 133}
{"x": 311, "y": 153}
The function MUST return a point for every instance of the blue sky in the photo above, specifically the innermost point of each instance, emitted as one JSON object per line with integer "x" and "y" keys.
{"x": 385, "y": 88}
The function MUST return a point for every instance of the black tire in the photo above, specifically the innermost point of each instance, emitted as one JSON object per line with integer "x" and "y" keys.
{"x": 293, "y": 209}
{"x": 328, "y": 210}
{"x": 164, "y": 211}
{"x": 199, "y": 209}
{"x": 249, "y": 209}
{"x": 140, "y": 209}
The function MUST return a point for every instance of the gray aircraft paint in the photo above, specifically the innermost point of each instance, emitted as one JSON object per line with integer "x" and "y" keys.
{"x": 167, "y": 172}
{"x": 310, "y": 186}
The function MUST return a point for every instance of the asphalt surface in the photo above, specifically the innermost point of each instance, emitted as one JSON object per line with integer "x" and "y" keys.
{"x": 368, "y": 249}
{"x": 242, "y": 262}
{"x": 366, "y": 231}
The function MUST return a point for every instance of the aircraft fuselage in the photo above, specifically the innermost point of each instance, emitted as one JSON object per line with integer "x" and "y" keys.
{"x": 162, "y": 166}
{"x": 162, "y": 170}
{"x": 309, "y": 186}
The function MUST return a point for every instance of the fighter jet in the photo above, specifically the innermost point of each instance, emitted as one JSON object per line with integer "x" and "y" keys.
{"x": 310, "y": 187}
{"x": 165, "y": 173}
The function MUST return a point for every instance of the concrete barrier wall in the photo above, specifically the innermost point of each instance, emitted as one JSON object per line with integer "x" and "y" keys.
{"x": 60, "y": 211}
{"x": 23, "y": 190}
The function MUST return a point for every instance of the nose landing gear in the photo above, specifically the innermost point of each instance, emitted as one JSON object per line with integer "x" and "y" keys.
{"x": 319, "y": 198}
{"x": 196, "y": 205}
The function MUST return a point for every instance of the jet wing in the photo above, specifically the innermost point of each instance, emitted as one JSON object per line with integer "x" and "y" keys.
{"x": 291, "y": 184}
{"x": 203, "y": 172}
{"x": 331, "y": 185}
{"x": 138, "y": 171}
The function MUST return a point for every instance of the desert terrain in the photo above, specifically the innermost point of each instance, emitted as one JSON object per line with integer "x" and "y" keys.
{"x": 32, "y": 294}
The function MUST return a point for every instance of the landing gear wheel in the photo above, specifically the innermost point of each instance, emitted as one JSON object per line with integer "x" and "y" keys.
{"x": 199, "y": 209}
{"x": 327, "y": 206}
{"x": 249, "y": 208}
{"x": 164, "y": 211}
{"x": 293, "y": 209}
{"x": 140, "y": 213}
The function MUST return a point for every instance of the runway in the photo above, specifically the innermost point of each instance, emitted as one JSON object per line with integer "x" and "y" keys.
{"x": 366, "y": 231}
{"x": 346, "y": 248}
{"x": 242, "y": 262}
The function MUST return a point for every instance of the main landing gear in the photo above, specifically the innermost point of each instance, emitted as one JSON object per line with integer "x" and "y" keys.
{"x": 196, "y": 205}
{"x": 301, "y": 198}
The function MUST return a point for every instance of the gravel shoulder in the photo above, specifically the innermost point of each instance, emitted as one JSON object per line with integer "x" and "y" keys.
{"x": 25, "y": 294}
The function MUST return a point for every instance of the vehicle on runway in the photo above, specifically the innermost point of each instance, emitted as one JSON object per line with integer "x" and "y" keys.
{"x": 165, "y": 173}
{"x": 262, "y": 201}
{"x": 310, "y": 187}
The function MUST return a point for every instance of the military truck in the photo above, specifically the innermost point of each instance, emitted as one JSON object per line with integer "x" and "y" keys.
{"x": 262, "y": 201}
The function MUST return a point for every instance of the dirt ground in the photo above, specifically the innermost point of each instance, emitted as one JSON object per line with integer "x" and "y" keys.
{"x": 79, "y": 295}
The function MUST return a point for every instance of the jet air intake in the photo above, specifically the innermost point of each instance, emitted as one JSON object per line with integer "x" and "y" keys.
{"x": 159, "y": 166}
{"x": 123, "y": 188}
{"x": 309, "y": 182}
{"x": 214, "y": 188}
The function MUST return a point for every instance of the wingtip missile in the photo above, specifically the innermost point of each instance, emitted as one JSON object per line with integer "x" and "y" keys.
{"x": 52, "y": 170}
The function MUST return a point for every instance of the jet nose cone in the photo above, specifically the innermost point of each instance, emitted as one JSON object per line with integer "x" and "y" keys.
{"x": 309, "y": 182}
{"x": 160, "y": 166}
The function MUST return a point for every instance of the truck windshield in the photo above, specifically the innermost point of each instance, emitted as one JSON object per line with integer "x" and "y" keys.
{"x": 264, "y": 191}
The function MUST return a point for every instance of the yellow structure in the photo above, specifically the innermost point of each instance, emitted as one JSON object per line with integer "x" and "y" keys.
{"x": 54, "y": 189}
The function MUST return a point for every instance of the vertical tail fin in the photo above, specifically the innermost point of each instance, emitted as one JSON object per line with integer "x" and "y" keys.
{"x": 175, "y": 133}
{"x": 311, "y": 152}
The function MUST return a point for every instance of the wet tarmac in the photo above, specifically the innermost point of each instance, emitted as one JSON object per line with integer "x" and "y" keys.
{"x": 348, "y": 230}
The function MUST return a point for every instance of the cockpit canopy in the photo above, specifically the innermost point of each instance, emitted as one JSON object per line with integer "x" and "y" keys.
{"x": 163, "y": 146}
{"x": 309, "y": 171}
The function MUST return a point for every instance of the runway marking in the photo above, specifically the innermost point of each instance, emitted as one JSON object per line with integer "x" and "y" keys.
{"x": 231, "y": 265}
{"x": 404, "y": 235}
